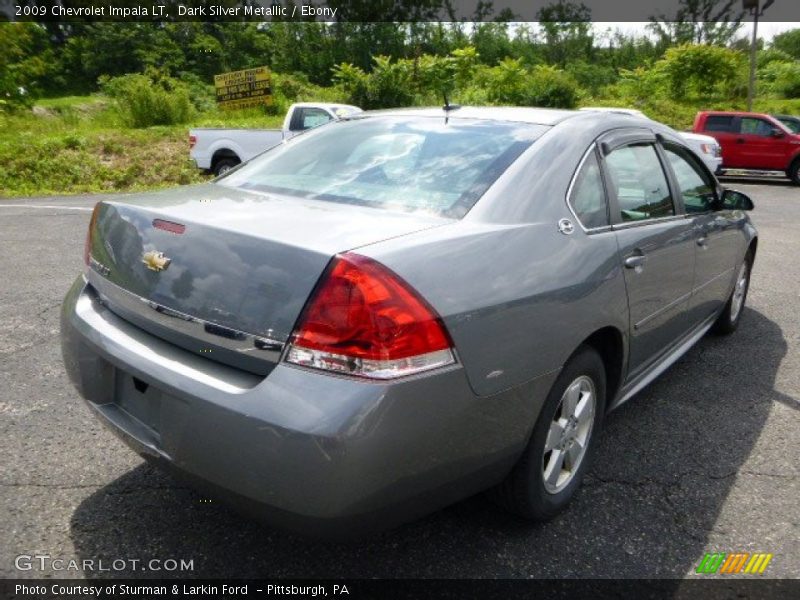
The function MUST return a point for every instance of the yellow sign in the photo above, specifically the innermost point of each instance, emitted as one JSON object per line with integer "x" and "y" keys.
{"x": 244, "y": 89}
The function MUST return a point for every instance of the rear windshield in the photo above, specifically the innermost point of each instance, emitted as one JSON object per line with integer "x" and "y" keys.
{"x": 398, "y": 163}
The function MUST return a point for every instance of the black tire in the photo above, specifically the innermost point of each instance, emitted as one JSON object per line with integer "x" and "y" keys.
{"x": 223, "y": 165}
{"x": 728, "y": 319}
{"x": 793, "y": 172}
{"x": 524, "y": 492}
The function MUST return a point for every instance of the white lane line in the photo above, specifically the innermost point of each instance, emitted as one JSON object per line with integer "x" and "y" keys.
{"x": 4, "y": 205}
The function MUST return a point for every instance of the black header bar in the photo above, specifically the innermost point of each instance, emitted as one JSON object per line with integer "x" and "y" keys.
{"x": 598, "y": 11}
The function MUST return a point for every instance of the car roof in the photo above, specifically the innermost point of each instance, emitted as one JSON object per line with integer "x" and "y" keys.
{"x": 733, "y": 113}
{"x": 535, "y": 116}
{"x": 628, "y": 111}
{"x": 330, "y": 105}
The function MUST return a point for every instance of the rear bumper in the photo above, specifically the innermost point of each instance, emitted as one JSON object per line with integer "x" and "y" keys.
{"x": 303, "y": 450}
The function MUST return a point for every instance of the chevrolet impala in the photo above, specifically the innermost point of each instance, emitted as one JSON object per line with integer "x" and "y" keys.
{"x": 404, "y": 308}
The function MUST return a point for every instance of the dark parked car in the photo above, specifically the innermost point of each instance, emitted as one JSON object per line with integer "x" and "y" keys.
{"x": 792, "y": 123}
{"x": 753, "y": 141}
{"x": 401, "y": 309}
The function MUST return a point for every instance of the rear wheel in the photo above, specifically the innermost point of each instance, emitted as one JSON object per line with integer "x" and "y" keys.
{"x": 224, "y": 165}
{"x": 729, "y": 318}
{"x": 563, "y": 440}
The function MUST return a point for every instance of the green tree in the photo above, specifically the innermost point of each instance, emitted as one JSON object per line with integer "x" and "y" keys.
{"x": 567, "y": 32}
{"x": 789, "y": 42}
{"x": 703, "y": 71}
{"x": 699, "y": 22}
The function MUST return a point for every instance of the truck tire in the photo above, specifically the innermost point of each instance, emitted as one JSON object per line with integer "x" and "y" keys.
{"x": 224, "y": 165}
{"x": 793, "y": 172}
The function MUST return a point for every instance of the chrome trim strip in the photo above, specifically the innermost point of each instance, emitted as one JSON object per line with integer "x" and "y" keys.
{"x": 713, "y": 279}
{"x": 663, "y": 309}
{"x": 214, "y": 334}
{"x": 643, "y": 222}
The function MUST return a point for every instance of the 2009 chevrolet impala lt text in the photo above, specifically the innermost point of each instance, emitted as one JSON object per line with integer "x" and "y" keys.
{"x": 398, "y": 310}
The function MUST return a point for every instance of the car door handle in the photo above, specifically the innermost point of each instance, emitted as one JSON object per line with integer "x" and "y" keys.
{"x": 634, "y": 261}
{"x": 740, "y": 140}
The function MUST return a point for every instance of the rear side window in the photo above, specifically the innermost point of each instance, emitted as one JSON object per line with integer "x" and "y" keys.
{"x": 638, "y": 180}
{"x": 588, "y": 196}
{"x": 719, "y": 123}
{"x": 697, "y": 186}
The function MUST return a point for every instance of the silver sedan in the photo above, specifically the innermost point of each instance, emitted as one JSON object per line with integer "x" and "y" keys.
{"x": 398, "y": 310}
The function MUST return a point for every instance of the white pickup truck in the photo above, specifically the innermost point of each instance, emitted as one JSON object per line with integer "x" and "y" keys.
{"x": 219, "y": 150}
{"x": 705, "y": 146}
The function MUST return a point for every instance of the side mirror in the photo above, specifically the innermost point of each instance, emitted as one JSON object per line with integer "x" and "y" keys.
{"x": 735, "y": 200}
{"x": 777, "y": 133}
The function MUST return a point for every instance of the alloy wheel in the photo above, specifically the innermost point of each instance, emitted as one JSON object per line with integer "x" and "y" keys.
{"x": 569, "y": 433}
{"x": 739, "y": 291}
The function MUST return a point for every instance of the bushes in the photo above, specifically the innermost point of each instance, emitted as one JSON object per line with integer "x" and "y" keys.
{"x": 512, "y": 83}
{"x": 703, "y": 71}
{"x": 423, "y": 81}
{"x": 389, "y": 84}
{"x": 552, "y": 88}
{"x": 781, "y": 78}
{"x": 144, "y": 100}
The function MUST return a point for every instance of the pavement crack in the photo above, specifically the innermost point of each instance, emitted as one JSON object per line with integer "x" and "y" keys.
{"x": 776, "y": 475}
{"x": 65, "y": 486}
{"x": 50, "y": 485}
{"x": 46, "y": 309}
{"x": 24, "y": 347}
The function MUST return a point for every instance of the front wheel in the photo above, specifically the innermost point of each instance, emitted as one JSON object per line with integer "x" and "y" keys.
{"x": 729, "y": 318}
{"x": 793, "y": 172}
{"x": 552, "y": 466}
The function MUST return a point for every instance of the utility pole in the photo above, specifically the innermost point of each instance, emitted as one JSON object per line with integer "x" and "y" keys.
{"x": 756, "y": 10}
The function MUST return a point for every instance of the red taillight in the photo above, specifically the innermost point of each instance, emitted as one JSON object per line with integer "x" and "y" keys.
{"x": 192, "y": 141}
{"x": 87, "y": 246}
{"x": 364, "y": 320}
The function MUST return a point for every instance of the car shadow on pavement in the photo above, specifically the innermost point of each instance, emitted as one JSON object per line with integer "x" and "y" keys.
{"x": 666, "y": 465}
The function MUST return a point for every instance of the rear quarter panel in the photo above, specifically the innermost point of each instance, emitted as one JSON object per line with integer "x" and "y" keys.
{"x": 517, "y": 300}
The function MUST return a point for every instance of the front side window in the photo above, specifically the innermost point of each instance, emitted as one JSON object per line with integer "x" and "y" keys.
{"x": 752, "y": 126}
{"x": 639, "y": 183}
{"x": 393, "y": 162}
{"x": 697, "y": 186}
{"x": 588, "y": 196}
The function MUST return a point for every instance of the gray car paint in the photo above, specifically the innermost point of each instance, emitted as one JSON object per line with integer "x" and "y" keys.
{"x": 517, "y": 296}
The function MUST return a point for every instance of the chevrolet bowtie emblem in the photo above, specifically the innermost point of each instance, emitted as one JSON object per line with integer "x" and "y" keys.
{"x": 155, "y": 261}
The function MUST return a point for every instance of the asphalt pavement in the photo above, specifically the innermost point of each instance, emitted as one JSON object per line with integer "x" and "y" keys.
{"x": 703, "y": 460}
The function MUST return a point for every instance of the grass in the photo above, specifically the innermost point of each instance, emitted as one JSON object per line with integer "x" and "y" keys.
{"x": 78, "y": 144}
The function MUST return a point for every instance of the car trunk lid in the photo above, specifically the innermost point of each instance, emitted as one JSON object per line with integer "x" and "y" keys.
{"x": 222, "y": 272}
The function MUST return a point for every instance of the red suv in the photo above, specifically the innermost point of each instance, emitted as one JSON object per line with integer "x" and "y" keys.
{"x": 752, "y": 141}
